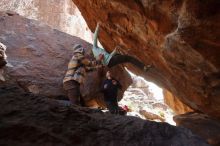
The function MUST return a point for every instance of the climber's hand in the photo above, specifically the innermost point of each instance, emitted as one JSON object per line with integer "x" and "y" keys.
{"x": 105, "y": 86}
{"x": 118, "y": 49}
{"x": 99, "y": 66}
{"x": 114, "y": 82}
{"x": 101, "y": 57}
{"x": 99, "y": 23}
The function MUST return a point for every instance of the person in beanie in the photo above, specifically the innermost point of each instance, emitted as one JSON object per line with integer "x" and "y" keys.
{"x": 75, "y": 75}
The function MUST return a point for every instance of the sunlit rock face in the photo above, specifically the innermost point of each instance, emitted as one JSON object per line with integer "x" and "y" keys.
{"x": 38, "y": 56}
{"x": 60, "y": 14}
{"x": 179, "y": 37}
{"x": 175, "y": 104}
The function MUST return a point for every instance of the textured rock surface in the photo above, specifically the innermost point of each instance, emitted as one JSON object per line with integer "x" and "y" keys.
{"x": 180, "y": 37}
{"x": 39, "y": 56}
{"x": 175, "y": 104}
{"x": 141, "y": 84}
{"x": 202, "y": 125}
{"x": 146, "y": 106}
{"x": 32, "y": 120}
{"x": 151, "y": 116}
{"x": 62, "y": 15}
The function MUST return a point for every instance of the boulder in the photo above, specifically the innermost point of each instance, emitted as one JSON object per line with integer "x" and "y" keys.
{"x": 38, "y": 56}
{"x": 179, "y": 37}
{"x": 202, "y": 125}
{"x": 151, "y": 116}
{"x": 27, "y": 119}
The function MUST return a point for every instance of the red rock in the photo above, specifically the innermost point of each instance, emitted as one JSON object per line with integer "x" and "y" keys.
{"x": 175, "y": 104}
{"x": 180, "y": 38}
{"x": 39, "y": 56}
{"x": 202, "y": 125}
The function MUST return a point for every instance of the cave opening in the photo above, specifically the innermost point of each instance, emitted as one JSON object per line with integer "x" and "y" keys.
{"x": 145, "y": 100}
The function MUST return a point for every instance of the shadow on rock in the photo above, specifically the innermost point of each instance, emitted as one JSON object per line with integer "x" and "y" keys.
{"x": 33, "y": 120}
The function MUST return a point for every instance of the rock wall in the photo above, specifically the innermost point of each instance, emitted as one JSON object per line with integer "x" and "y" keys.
{"x": 38, "y": 56}
{"x": 175, "y": 104}
{"x": 28, "y": 120}
{"x": 179, "y": 37}
{"x": 201, "y": 124}
{"x": 62, "y": 15}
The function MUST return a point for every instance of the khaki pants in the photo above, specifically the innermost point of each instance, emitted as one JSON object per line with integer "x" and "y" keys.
{"x": 72, "y": 89}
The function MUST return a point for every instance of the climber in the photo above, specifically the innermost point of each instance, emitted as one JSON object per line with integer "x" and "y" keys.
{"x": 110, "y": 89}
{"x": 114, "y": 58}
{"x": 3, "y": 56}
{"x": 75, "y": 75}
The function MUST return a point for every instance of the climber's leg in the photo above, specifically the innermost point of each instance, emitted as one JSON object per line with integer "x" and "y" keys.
{"x": 118, "y": 59}
{"x": 73, "y": 96}
{"x": 73, "y": 91}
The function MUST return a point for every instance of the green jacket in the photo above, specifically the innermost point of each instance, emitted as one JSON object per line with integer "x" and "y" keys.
{"x": 97, "y": 50}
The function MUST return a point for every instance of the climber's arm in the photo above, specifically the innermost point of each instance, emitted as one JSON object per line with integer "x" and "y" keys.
{"x": 95, "y": 44}
{"x": 92, "y": 68}
{"x": 91, "y": 65}
{"x": 113, "y": 52}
